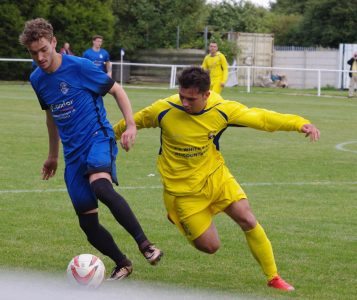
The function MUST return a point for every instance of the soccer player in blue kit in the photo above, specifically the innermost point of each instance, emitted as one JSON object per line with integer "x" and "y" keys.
{"x": 99, "y": 56}
{"x": 70, "y": 90}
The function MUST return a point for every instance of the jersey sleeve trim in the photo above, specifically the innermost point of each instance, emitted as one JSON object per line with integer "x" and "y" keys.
{"x": 162, "y": 114}
{"x": 108, "y": 87}
{"x": 223, "y": 114}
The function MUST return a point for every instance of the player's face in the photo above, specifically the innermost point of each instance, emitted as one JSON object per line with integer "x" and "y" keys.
{"x": 213, "y": 48}
{"x": 43, "y": 52}
{"x": 97, "y": 43}
{"x": 192, "y": 100}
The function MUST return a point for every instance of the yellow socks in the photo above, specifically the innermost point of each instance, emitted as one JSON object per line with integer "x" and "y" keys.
{"x": 262, "y": 250}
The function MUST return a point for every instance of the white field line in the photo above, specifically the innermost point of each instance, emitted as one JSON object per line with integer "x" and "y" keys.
{"x": 342, "y": 146}
{"x": 316, "y": 183}
{"x": 60, "y": 190}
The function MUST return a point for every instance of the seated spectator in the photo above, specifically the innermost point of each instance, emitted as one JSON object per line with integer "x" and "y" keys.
{"x": 279, "y": 80}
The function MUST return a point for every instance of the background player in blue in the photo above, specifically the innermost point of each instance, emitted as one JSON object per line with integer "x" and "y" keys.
{"x": 70, "y": 90}
{"x": 99, "y": 56}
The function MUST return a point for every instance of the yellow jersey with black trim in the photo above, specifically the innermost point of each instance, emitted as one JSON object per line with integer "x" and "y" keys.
{"x": 189, "y": 150}
{"x": 217, "y": 67}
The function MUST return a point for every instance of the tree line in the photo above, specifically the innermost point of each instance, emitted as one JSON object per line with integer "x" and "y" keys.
{"x": 151, "y": 24}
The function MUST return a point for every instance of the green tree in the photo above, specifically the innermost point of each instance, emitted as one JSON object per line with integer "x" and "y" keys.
{"x": 153, "y": 24}
{"x": 11, "y": 25}
{"x": 77, "y": 22}
{"x": 285, "y": 28}
{"x": 32, "y": 8}
{"x": 325, "y": 23}
{"x": 238, "y": 16}
{"x": 328, "y": 23}
{"x": 289, "y": 7}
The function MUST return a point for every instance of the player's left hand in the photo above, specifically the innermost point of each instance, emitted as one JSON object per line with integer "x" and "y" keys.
{"x": 127, "y": 139}
{"x": 311, "y": 131}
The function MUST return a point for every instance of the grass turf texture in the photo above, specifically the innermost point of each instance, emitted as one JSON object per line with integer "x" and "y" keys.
{"x": 302, "y": 193}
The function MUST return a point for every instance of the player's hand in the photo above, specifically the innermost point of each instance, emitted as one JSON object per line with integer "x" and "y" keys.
{"x": 49, "y": 168}
{"x": 127, "y": 139}
{"x": 311, "y": 131}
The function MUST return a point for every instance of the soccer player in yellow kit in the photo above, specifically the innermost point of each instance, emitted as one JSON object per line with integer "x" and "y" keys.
{"x": 216, "y": 64}
{"x": 197, "y": 183}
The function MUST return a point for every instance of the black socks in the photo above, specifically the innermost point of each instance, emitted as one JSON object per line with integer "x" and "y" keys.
{"x": 120, "y": 209}
{"x": 100, "y": 238}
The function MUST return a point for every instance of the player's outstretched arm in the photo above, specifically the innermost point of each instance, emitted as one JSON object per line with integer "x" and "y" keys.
{"x": 128, "y": 136}
{"x": 50, "y": 165}
{"x": 311, "y": 131}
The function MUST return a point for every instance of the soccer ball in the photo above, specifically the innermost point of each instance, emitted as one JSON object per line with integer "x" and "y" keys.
{"x": 86, "y": 270}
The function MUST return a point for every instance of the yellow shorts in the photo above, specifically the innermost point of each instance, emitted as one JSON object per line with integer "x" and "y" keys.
{"x": 192, "y": 214}
{"x": 216, "y": 85}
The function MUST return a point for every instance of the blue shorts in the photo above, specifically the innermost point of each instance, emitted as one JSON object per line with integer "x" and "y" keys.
{"x": 99, "y": 157}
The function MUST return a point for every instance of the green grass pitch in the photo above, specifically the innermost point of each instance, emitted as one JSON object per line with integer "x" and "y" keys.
{"x": 304, "y": 195}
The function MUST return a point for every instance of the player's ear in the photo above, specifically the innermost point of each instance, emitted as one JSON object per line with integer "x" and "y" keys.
{"x": 54, "y": 41}
{"x": 206, "y": 94}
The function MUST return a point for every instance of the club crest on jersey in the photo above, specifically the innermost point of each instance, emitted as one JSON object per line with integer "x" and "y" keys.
{"x": 211, "y": 135}
{"x": 64, "y": 88}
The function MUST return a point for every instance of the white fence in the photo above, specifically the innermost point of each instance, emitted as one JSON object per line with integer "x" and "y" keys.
{"x": 294, "y": 60}
{"x": 247, "y": 76}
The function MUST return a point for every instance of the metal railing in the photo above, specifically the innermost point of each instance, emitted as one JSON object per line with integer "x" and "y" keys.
{"x": 245, "y": 75}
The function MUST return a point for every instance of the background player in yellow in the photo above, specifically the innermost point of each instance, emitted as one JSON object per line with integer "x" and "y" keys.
{"x": 216, "y": 64}
{"x": 197, "y": 183}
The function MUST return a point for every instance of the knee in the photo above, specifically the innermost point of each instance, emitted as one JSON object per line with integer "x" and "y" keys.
{"x": 247, "y": 222}
{"x": 241, "y": 213}
{"x": 210, "y": 248}
{"x": 101, "y": 188}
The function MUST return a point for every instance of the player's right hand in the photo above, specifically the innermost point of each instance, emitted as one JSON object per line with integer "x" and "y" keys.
{"x": 49, "y": 168}
{"x": 127, "y": 139}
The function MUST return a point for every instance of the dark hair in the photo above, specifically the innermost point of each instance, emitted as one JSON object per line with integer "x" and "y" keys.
{"x": 35, "y": 30}
{"x": 97, "y": 36}
{"x": 194, "y": 77}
